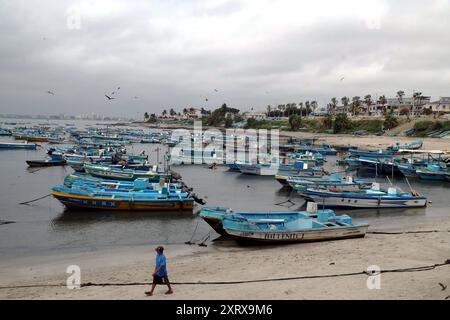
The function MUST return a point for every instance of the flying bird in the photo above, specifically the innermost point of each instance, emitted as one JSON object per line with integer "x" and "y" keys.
{"x": 206, "y": 99}
{"x": 136, "y": 97}
{"x": 342, "y": 78}
{"x": 109, "y": 98}
{"x": 443, "y": 286}
{"x": 216, "y": 90}
{"x": 49, "y": 92}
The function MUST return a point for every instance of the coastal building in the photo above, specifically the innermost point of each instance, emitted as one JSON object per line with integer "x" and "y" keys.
{"x": 412, "y": 106}
{"x": 255, "y": 115}
{"x": 439, "y": 106}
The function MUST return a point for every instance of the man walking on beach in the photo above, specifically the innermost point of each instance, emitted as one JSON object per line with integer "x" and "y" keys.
{"x": 160, "y": 273}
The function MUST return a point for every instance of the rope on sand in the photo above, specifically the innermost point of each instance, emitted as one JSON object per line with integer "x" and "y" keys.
{"x": 93, "y": 284}
{"x": 406, "y": 232}
{"x": 27, "y": 202}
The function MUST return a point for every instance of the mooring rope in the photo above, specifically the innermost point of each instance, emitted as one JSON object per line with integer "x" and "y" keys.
{"x": 104, "y": 284}
{"x": 406, "y": 232}
{"x": 27, "y": 202}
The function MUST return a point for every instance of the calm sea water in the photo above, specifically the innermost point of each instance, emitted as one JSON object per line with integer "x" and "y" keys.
{"x": 45, "y": 227}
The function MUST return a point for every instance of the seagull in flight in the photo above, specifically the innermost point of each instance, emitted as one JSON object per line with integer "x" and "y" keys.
{"x": 342, "y": 78}
{"x": 216, "y": 90}
{"x": 109, "y": 98}
{"x": 50, "y": 92}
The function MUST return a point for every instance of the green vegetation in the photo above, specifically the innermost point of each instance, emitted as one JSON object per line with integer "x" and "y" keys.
{"x": 390, "y": 121}
{"x": 422, "y": 128}
{"x": 341, "y": 124}
{"x": 295, "y": 122}
{"x": 217, "y": 117}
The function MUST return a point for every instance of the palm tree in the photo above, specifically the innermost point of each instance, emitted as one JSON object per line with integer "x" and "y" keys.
{"x": 417, "y": 97}
{"x": 334, "y": 103}
{"x": 400, "y": 95}
{"x": 368, "y": 101}
{"x": 307, "y": 108}
{"x": 314, "y": 105}
{"x": 164, "y": 112}
{"x": 382, "y": 100}
{"x": 300, "y": 105}
{"x": 146, "y": 116}
{"x": 345, "y": 101}
{"x": 356, "y": 102}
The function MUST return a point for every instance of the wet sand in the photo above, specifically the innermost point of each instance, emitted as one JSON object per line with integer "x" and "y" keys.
{"x": 227, "y": 261}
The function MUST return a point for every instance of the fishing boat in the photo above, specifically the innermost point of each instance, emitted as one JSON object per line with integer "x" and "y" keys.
{"x": 333, "y": 181}
{"x": 108, "y": 172}
{"x": 433, "y": 172}
{"x": 46, "y": 163}
{"x": 308, "y": 157}
{"x": 324, "y": 149}
{"x": 283, "y": 178}
{"x": 31, "y": 137}
{"x": 5, "y": 132}
{"x": 290, "y": 226}
{"x": 370, "y": 198}
{"x": 138, "y": 184}
{"x": 371, "y": 153}
{"x": 87, "y": 197}
{"x": 414, "y": 145}
{"x": 18, "y": 145}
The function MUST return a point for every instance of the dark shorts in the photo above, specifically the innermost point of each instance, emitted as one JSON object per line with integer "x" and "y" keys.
{"x": 160, "y": 280}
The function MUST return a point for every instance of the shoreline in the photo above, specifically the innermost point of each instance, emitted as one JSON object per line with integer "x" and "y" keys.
{"x": 334, "y": 140}
{"x": 227, "y": 261}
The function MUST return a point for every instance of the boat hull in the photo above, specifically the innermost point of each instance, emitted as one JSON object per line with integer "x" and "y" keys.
{"x": 85, "y": 202}
{"x": 340, "y": 201}
{"x": 35, "y": 164}
{"x": 325, "y": 234}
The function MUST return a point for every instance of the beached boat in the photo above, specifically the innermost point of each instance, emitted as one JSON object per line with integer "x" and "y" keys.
{"x": 290, "y": 226}
{"x": 46, "y": 163}
{"x": 108, "y": 172}
{"x": 370, "y": 198}
{"x": 371, "y": 153}
{"x": 324, "y": 149}
{"x": 19, "y": 145}
{"x": 414, "y": 145}
{"x": 31, "y": 137}
{"x": 86, "y": 197}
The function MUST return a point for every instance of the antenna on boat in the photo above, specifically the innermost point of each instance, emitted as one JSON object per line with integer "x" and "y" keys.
{"x": 389, "y": 180}
{"x": 410, "y": 188}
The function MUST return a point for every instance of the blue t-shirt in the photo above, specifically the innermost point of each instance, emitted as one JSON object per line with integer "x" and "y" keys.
{"x": 161, "y": 261}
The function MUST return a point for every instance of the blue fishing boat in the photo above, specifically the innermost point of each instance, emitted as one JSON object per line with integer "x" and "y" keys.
{"x": 20, "y": 145}
{"x": 414, "y": 145}
{"x": 290, "y": 226}
{"x": 5, "y": 132}
{"x": 324, "y": 149}
{"x": 371, "y": 153}
{"x": 433, "y": 172}
{"x": 334, "y": 181}
{"x": 369, "y": 198}
{"x": 88, "y": 197}
{"x": 108, "y": 172}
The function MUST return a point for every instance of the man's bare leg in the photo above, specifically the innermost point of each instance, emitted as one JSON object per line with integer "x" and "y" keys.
{"x": 168, "y": 286}
{"x": 150, "y": 293}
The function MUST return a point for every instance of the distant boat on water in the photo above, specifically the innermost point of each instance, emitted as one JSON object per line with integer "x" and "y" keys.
{"x": 18, "y": 145}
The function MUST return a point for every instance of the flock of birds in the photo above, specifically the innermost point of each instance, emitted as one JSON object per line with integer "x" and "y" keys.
{"x": 110, "y": 96}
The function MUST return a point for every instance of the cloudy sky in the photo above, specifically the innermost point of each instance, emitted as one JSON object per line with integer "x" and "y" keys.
{"x": 174, "y": 53}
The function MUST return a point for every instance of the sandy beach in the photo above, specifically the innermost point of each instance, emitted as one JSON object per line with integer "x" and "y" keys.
{"x": 227, "y": 261}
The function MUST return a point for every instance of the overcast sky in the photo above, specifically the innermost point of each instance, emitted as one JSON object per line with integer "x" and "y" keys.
{"x": 174, "y": 53}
